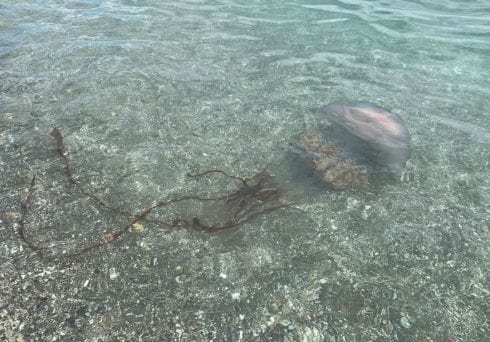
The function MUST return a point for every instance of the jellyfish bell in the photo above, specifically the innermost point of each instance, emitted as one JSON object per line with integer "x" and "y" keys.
{"x": 381, "y": 134}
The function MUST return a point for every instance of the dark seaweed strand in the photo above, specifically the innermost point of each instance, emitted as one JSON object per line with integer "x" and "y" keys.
{"x": 41, "y": 251}
{"x": 181, "y": 223}
{"x": 56, "y": 134}
{"x": 21, "y": 229}
{"x": 241, "y": 215}
{"x": 243, "y": 180}
{"x": 237, "y": 221}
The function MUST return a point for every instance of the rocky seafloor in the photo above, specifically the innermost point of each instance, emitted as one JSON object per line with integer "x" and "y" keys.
{"x": 335, "y": 266}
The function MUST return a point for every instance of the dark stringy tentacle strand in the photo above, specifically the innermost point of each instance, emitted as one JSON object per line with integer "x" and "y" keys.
{"x": 255, "y": 196}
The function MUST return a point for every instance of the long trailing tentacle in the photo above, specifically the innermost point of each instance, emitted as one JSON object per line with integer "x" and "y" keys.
{"x": 255, "y": 196}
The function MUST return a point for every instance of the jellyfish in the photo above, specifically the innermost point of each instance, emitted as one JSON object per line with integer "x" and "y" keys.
{"x": 384, "y": 133}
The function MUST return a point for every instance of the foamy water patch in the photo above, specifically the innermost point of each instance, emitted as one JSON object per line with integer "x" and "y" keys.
{"x": 331, "y": 21}
{"x": 477, "y": 133}
{"x": 321, "y": 57}
{"x": 251, "y": 20}
{"x": 228, "y": 36}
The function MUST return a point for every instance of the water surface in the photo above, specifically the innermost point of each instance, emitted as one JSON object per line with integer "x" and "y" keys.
{"x": 147, "y": 91}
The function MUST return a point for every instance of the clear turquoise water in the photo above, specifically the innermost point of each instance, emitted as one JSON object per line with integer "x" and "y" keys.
{"x": 146, "y": 91}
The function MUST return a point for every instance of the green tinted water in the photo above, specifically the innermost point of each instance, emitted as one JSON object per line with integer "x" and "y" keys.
{"x": 146, "y": 91}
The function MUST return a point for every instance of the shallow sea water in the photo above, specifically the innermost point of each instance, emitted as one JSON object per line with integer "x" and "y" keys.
{"x": 146, "y": 91}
